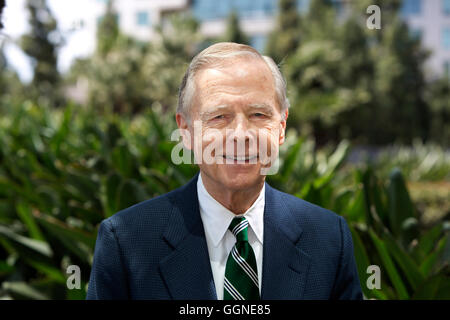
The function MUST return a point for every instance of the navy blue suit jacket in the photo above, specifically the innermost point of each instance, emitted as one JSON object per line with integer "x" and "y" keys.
{"x": 157, "y": 249}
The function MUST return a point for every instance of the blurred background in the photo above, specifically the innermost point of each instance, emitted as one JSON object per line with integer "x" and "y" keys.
{"x": 88, "y": 92}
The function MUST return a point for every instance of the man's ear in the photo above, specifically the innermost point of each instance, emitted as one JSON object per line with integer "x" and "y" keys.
{"x": 183, "y": 125}
{"x": 283, "y": 126}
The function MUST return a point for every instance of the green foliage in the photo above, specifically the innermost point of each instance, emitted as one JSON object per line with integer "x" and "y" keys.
{"x": 286, "y": 37}
{"x": 63, "y": 171}
{"x": 178, "y": 42}
{"x": 419, "y": 162}
{"x": 108, "y": 30}
{"x": 143, "y": 73}
{"x": 233, "y": 32}
{"x": 41, "y": 45}
{"x": 384, "y": 221}
{"x": 10, "y": 86}
{"x": 346, "y": 81}
{"x": 438, "y": 95}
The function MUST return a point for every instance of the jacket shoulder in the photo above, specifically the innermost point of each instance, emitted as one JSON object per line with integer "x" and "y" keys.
{"x": 319, "y": 227}
{"x": 152, "y": 213}
{"x": 306, "y": 212}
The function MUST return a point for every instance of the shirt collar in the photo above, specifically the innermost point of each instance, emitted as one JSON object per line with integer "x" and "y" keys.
{"x": 216, "y": 218}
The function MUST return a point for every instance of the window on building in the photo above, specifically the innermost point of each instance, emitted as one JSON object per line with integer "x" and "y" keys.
{"x": 446, "y": 38}
{"x": 411, "y": 7}
{"x": 210, "y": 9}
{"x": 446, "y": 7}
{"x": 447, "y": 69}
{"x": 142, "y": 18}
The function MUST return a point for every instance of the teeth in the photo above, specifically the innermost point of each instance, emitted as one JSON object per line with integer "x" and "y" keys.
{"x": 241, "y": 158}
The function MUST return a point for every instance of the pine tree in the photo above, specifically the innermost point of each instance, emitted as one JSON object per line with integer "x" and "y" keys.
{"x": 108, "y": 30}
{"x": 233, "y": 31}
{"x": 348, "y": 81}
{"x": 41, "y": 46}
{"x": 285, "y": 38}
{"x": 320, "y": 21}
{"x": 400, "y": 83}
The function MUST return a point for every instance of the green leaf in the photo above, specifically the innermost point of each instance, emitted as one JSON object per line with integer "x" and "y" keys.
{"x": 362, "y": 261}
{"x": 367, "y": 187}
{"x": 290, "y": 159}
{"x": 62, "y": 230}
{"x": 130, "y": 193}
{"x": 124, "y": 162}
{"x": 355, "y": 208}
{"x": 111, "y": 188}
{"x": 427, "y": 242}
{"x": 47, "y": 269}
{"x": 24, "y": 212}
{"x": 61, "y": 134}
{"x": 431, "y": 262}
{"x": 27, "y": 244}
{"x": 23, "y": 290}
{"x": 156, "y": 123}
{"x": 77, "y": 241}
{"x": 406, "y": 263}
{"x": 341, "y": 200}
{"x": 389, "y": 266}
{"x": 338, "y": 156}
{"x": 430, "y": 287}
{"x": 400, "y": 205}
{"x": 112, "y": 136}
{"x": 77, "y": 294}
{"x": 5, "y": 269}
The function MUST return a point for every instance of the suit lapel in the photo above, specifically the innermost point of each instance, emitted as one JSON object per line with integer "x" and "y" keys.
{"x": 285, "y": 266}
{"x": 187, "y": 269}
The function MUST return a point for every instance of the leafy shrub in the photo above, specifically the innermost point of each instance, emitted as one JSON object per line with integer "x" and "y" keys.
{"x": 63, "y": 171}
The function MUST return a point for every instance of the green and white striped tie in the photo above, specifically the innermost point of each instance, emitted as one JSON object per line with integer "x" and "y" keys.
{"x": 241, "y": 276}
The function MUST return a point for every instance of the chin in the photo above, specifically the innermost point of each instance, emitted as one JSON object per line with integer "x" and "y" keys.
{"x": 240, "y": 179}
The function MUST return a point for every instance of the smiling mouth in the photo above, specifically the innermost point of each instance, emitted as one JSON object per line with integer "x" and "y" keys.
{"x": 243, "y": 159}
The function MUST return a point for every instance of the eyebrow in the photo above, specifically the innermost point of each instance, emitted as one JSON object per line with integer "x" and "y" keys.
{"x": 263, "y": 106}
{"x": 212, "y": 110}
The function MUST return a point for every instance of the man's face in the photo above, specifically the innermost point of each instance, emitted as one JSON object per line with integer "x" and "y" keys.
{"x": 236, "y": 107}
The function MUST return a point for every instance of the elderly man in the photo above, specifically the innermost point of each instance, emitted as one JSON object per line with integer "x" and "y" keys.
{"x": 227, "y": 234}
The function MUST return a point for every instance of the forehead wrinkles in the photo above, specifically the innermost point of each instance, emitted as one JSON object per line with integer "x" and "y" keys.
{"x": 232, "y": 78}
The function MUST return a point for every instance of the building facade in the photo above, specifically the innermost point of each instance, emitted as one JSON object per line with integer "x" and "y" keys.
{"x": 427, "y": 19}
{"x": 430, "y": 20}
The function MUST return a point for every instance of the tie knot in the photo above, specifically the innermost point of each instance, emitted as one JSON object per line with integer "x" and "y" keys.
{"x": 239, "y": 227}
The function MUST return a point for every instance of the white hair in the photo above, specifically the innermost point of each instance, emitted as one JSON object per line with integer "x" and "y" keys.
{"x": 216, "y": 54}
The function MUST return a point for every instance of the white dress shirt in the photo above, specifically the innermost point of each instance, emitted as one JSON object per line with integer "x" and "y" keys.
{"x": 216, "y": 220}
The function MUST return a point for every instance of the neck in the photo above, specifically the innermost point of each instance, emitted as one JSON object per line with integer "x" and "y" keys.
{"x": 237, "y": 201}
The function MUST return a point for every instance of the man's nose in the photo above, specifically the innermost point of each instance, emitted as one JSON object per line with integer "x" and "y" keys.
{"x": 240, "y": 129}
